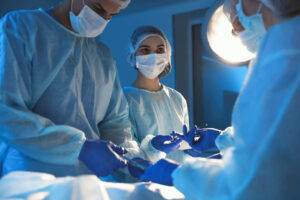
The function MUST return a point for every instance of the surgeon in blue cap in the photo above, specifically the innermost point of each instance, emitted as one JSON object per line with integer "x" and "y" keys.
{"x": 62, "y": 108}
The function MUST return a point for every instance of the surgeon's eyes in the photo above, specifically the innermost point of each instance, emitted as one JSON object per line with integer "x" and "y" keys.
{"x": 160, "y": 50}
{"x": 98, "y": 9}
{"x": 144, "y": 51}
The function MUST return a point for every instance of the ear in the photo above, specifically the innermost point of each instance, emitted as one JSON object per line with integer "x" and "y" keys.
{"x": 166, "y": 71}
{"x": 131, "y": 59}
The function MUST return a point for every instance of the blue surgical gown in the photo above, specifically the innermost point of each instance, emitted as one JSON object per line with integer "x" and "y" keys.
{"x": 156, "y": 113}
{"x": 57, "y": 89}
{"x": 264, "y": 160}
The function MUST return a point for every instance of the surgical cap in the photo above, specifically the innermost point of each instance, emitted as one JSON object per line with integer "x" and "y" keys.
{"x": 229, "y": 8}
{"x": 284, "y": 8}
{"x": 142, "y": 33}
{"x": 281, "y": 8}
{"x": 123, "y": 3}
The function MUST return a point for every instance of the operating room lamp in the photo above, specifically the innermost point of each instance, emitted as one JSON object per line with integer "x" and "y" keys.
{"x": 218, "y": 37}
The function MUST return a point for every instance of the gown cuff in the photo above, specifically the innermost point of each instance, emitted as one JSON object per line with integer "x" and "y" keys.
{"x": 152, "y": 154}
{"x": 225, "y": 139}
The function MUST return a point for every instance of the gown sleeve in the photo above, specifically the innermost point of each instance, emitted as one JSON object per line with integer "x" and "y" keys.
{"x": 116, "y": 126}
{"x": 28, "y": 132}
{"x": 263, "y": 162}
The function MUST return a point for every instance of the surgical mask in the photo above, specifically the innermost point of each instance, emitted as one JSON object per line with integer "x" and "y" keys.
{"x": 88, "y": 23}
{"x": 151, "y": 65}
{"x": 254, "y": 27}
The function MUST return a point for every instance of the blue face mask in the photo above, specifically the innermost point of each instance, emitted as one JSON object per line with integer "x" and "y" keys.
{"x": 254, "y": 27}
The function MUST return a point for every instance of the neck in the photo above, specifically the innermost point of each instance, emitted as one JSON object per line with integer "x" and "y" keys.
{"x": 269, "y": 17}
{"x": 61, "y": 12}
{"x": 147, "y": 84}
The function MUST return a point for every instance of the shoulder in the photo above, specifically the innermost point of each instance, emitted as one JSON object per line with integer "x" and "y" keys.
{"x": 132, "y": 95}
{"x": 281, "y": 39}
{"x": 274, "y": 68}
{"x": 279, "y": 52}
{"x": 174, "y": 93}
{"x": 21, "y": 18}
{"x": 130, "y": 91}
{"x": 23, "y": 24}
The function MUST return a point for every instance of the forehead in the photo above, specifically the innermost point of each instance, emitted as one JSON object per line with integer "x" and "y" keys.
{"x": 249, "y": 8}
{"x": 153, "y": 41}
{"x": 110, "y": 6}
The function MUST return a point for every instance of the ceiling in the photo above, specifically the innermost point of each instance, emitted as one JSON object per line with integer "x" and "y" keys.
{"x": 134, "y": 6}
{"x": 142, "y": 5}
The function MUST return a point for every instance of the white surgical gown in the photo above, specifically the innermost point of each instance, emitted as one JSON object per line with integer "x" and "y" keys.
{"x": 156, "y": 113}
{"x": 264, "y": 161}
{"x": 57, "y": 89}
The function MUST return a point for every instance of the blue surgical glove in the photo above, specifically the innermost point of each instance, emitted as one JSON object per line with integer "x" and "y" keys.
{"x": 166, "y": 143}
{"x": 201, "y": 140}
{"x": 160, "y": 172}
{"x": 135, "y": 171}
{"x": 195, "y": 153}
{"x": 102, "y": 157}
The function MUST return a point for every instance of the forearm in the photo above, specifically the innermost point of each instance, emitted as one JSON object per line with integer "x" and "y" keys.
{"x": 150, "y": 152}
{"x": 225, "y": 140}
{"x": 38, "y": 137}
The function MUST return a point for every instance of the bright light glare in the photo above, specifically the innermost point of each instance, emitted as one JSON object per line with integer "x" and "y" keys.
{"x": 223, "y": 42}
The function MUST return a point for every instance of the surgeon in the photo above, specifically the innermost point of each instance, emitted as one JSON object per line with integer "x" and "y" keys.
{"x": 155, "y": 109}
{"x": 62, "y": 109}
{"x": 262, "y": 162}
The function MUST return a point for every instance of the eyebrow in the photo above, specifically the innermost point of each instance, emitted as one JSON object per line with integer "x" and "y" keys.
{"x": 99, "y": 6}
{"x": 145, "y": 46}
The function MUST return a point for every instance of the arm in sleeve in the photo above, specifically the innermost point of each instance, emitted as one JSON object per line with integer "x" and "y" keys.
{"x": 149, "y": 152}
{"x": 263, "y": 163}
{"x": 225, "y": 139}
{"x": 116, "y": 126}
{"x": 29, "y": 133}
{"x": 186, "y": 113}
{"x": 153, "y": 154}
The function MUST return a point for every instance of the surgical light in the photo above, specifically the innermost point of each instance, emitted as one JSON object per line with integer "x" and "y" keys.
{"x": 218, "y": 37}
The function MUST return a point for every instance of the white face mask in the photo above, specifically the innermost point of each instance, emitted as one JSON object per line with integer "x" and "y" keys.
{"x": 254, "y": 27}
{"x": 151, "y": 65}
{"x": 88, "y": 23}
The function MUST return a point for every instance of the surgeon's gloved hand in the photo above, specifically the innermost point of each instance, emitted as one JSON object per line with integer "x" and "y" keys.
{"x": 195, "y": 153}
{"x": 201, "y": 140}
{"x": 166, "y": 143}
{"x": 102, "y": 157}
{"x": 160, "y": 172}
{"x": 135, "y": 171}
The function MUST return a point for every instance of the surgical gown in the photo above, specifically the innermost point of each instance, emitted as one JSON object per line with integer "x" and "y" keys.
{"x": 156, "y": 113}
{"x": 264, "y": 161}
{"x": 57, "y": 89}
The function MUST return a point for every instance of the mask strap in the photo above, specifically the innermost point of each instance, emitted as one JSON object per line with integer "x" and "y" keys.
{"x": 234, "y": 18}
{"x": 72, "y": 5}
{"x": 259, "y": 7}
